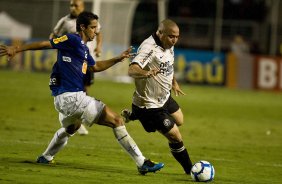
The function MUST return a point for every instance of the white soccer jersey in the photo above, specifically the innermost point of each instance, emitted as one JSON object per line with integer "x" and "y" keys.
{"x": 67, "y": 24}
{"x": 153, "y": 92}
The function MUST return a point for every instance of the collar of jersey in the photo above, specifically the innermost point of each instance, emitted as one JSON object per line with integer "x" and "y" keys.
{"x": 158, "y": 41}
{"x": 82, "y": 42}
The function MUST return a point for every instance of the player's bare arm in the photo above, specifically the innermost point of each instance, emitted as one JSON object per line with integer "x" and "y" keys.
{"x": 103, "y": 65}
{"x": 135, "y": 71}
{"x": 10, "y": 51}
{"x": 176, "y": 88}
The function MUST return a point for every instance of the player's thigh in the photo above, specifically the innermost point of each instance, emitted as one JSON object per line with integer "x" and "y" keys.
{"x": 110, "y": 118}
{"x": 67, "y": 107}
{"x": 67, "y": 121}
{"x": 178, "y": 116}
{"x": 90, "y": 110}
{"x": 157, "y": 119}
{"x": 173, "y": 135}
{"x": 175, "y": 111}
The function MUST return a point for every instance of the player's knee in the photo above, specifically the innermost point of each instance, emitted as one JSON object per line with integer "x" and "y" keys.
{"x": 178, "y": 116}
{"x": 111, "y": 121}
{"x": 117, "y": 121}
{"x": 179, "y": 120}
{"x": 110, "y": 118}
{"x": 179, "y": 123}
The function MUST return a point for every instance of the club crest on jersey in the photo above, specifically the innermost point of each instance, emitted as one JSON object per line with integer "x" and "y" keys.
{"x": 66, "y": 59}
{"x": 60, "y": 39}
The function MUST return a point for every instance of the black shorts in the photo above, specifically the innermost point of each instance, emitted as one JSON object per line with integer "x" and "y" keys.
{"x": 157, "y": 118}
{"x": 88, "y": 78}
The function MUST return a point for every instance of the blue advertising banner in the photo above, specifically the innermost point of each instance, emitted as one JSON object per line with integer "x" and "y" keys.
{"x": 191, "y": 66}
{"x": 200, "y": 67}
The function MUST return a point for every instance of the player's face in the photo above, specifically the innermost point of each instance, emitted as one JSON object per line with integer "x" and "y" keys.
{"x": 90, "y": 31}
{"x": 170, "y": 37}
{"x": 76, "y": 7}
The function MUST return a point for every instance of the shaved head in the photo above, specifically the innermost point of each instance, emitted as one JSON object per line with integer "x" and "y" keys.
{"x": 76, "y": 7}
{"x": 166, "y": 25}
{"x": 168, "y": 33}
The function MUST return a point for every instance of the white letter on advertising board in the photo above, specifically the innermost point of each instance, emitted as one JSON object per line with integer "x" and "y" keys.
{"x": 267, "y": 74}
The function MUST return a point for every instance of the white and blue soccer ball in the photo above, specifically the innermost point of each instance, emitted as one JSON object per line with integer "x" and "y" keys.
{"x": 202, "y": 171}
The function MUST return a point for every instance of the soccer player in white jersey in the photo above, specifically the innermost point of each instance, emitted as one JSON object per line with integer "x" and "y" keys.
{"x": 66, "y": 84}
{"x": 153, "y": 104}
{"x": 67, "y": 24}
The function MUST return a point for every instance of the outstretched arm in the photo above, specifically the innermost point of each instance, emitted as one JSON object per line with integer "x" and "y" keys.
{"x": 10, "y": 51}
{"x": 103, "y": 65}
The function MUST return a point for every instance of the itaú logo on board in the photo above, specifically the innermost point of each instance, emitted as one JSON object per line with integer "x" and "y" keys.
{"x": 269, "y": 73}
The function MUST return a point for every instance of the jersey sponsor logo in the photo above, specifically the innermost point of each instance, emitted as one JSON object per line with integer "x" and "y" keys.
{"x": 166, "y": 69}
{"x": 66, "y": 59}
{"x": 60, "y": 39}
{"x": 84, "y": 67}
{"x": 146, "y": 57}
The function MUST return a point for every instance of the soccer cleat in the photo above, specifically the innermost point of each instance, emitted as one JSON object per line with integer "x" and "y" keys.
{"x": 125, "y": 113}
{"x": 82, "y": 130}
{"x": 42, "y": 160}
{"x": 150, "y": 166}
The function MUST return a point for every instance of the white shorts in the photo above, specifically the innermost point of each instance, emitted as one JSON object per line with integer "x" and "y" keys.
{"x": 73, "y": 106}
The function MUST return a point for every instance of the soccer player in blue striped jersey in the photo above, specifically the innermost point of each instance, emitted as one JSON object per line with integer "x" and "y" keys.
{"x": 67, "y": 24}
{"x": 73, "y": 105}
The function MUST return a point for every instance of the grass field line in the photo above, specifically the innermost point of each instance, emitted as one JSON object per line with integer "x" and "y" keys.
{"x": 278, "y": 165}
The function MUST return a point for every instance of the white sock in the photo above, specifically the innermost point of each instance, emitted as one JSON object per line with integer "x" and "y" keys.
{"x": 59, "y": 140}
{"x": 129, "y": 145}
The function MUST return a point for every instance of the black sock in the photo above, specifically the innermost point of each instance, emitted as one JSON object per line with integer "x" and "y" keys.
{"x": 181, "y": 155}
{"x": 132, "y": 116}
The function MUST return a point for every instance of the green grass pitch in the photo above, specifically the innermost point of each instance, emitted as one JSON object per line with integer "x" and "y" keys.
{"x": 238, "y": 131}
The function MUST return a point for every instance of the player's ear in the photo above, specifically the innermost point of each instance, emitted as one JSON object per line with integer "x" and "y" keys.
{"x": 159, "y": 32}
{"x": 82, "y": 27}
